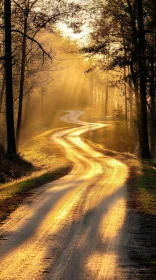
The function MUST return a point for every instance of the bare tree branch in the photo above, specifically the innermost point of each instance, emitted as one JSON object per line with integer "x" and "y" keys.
{"x": 32, "y": 39}
{"x": 18, "y": 5}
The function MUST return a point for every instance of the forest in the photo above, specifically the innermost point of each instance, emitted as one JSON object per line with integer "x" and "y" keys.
{"x": 122, "y": 39}
{"x": 78, "y": 130}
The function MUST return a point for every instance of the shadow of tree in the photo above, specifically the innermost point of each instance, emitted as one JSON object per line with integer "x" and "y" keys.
{"x": 70, "y": 250}
{"x": 21, "y": 189}
{"x": 87, "y": 246}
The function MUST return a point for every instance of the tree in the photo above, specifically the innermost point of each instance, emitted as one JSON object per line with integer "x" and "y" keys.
{"x": 124, "y": 32}
{"x": 26, "y": 10}
{"x": 11, "y": 145}
{"x": 23, "y": 21}
{"x": 31, "y": 22}
{"x": 142, "y": 71}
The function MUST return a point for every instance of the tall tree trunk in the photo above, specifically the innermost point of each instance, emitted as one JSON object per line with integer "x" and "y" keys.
{"x": 145, "y": 153}
{"x": 153, "y": 112}
{"x": 137, "y": 99}
{"x": 134, "y": 64}
{"x": 27, "y": 105}
{"x": 131, "y": 109}
{"x": 2, "y": 92}
{"x": 22, "y": 77}
{"x": 3, "y": 78}
{"x": 126, "y": 106}
{"x": 11, "y": 145}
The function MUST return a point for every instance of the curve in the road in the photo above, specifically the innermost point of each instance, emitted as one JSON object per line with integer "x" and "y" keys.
{"x": 71, "y": 228}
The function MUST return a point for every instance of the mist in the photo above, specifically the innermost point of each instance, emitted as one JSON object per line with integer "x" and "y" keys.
{"x": 65, "y": 83}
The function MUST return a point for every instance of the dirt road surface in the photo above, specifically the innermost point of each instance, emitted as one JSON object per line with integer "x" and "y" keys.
{"x": 74, "y": 228}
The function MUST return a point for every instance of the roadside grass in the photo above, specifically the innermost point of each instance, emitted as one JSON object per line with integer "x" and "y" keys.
{"x": 13, "y": 167}
{"x": 145, "y": 186}
{"x": 49, "y": 164}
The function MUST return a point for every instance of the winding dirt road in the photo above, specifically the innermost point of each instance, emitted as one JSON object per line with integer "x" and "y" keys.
{"x": 72, "y": 228}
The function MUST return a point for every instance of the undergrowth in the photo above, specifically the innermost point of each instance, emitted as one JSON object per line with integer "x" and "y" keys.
{"x": 145, "y": 185}
{"x": 12, "y": 168}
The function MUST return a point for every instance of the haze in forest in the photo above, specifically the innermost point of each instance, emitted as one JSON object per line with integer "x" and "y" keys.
{"x": 65, "y": 84}
{"x": 112, "y": 74}
{"x": 77, "y": 139}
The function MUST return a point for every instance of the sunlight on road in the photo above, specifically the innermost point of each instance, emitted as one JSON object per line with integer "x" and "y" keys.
{"x": 114, "y": 220}
{"x": 73, "y": 225}
{"x": 106, "y": 271}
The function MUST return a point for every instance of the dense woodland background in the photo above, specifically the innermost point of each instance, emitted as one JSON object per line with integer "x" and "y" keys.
{"x": 115, "y": 66}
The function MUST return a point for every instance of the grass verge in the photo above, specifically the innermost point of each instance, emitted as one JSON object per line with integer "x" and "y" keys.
{"x": 49, "y": 164}
{"x": 145, "y": 186}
